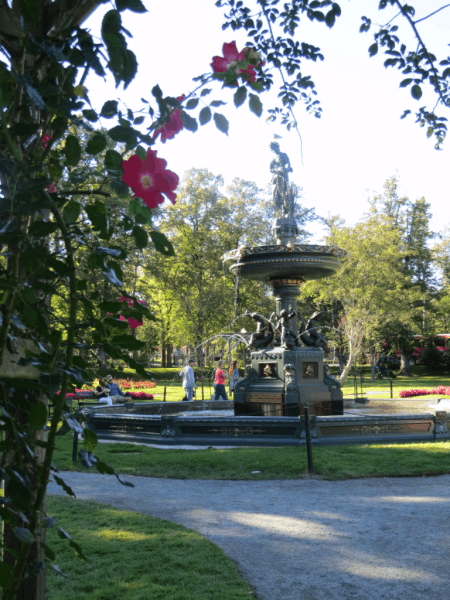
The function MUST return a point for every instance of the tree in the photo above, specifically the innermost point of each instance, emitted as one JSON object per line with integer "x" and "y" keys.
{"x": 199, "y": 295}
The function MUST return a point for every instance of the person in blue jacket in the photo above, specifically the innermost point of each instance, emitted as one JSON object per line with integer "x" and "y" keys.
{"x": 114, "y": 390}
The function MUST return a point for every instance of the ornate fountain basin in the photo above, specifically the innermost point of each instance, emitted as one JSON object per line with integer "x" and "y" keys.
{"x": 301, "y": 262}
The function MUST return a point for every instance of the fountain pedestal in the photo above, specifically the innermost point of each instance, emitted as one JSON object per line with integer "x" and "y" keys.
{"x": 280, "y": 382}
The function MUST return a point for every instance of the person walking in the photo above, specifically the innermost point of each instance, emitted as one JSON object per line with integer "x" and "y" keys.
{"x": 189, "y": 380}
{"x": 233, "y": 372}
{"x": 219, "y": 380}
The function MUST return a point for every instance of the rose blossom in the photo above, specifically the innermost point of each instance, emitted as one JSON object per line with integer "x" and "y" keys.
{"x": 231, "y": 57}
{"x": 150, "y": 179}
{"x": 171, "y": 128}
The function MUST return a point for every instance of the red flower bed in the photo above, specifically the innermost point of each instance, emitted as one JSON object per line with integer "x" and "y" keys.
{"x": 439, "y": 391}
{"x": 124, "y": 385}
{"x": 140, "y": 396}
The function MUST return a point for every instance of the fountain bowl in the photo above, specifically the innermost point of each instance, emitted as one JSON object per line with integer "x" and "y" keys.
{"x": 302, "y": 262}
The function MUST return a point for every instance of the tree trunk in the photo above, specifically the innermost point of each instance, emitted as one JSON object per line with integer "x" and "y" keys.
{"x": 404, "y": 364}
{"x": 346, "y": 370}
{"x": 163, "y": 344}
{"x": 372, "y": 362}
{"x": 169, "y": 355}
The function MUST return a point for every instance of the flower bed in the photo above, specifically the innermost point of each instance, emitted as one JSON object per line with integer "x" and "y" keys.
{"x": 440, "y": 391}
{"x": 124, "y": 385}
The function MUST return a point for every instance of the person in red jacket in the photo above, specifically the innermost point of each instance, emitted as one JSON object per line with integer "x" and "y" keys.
{"x": 219, "y": 380}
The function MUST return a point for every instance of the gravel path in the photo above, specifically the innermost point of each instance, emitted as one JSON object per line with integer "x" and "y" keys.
{"x": 383, "y": 539}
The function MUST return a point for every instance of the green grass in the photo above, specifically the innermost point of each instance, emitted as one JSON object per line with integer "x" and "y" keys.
{"x": 330, "y": 462}
{"x": 135, "y": 557}
{"x": 420, "y": 378}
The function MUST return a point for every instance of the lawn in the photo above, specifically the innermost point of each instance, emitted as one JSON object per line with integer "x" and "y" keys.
{"x": 330, "y": 462}
{"x": 420, "y": 378}
{"x": 135, "y": 557}
{"x": 168, "y": 382}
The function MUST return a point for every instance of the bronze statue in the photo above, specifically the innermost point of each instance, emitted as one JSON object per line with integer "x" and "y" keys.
{"x": 288, "y": 337}
{"x": 263, "y": 335}
{"x": 283, "y": 194}
{"x": 309, "y": 334}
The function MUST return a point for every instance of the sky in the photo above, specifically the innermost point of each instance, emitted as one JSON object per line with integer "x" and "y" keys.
{"x": 348, "y": 154}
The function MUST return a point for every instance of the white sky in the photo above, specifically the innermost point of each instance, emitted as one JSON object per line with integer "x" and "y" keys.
{"x": 357, "y": 144}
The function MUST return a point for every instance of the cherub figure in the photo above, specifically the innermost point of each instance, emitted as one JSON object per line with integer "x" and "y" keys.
{"x": 263, "y": 334}
{"x": 287, "y": 335}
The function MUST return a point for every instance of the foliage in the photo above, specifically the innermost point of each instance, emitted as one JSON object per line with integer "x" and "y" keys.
{"x": 272, "y": 29}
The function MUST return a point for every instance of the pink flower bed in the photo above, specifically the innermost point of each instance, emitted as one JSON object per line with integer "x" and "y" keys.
{"x": 440, "y": 391}
{"x": 140, "y": 395}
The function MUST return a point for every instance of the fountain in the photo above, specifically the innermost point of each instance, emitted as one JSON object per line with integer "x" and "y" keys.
{"x": 287, "y": 363}
{"x": 287, "y": 367}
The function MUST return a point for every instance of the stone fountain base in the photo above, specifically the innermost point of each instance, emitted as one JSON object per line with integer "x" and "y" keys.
{"x": 280, "y": 382}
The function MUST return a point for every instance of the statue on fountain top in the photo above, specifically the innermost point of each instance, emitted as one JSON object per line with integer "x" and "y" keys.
{"x": 283, "y": 194}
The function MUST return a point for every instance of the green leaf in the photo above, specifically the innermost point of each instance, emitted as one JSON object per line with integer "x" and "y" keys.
{"x": 188, "y": 122}
{"x": 55, "y": 168}
{"x": 64, "y": 485}
{"x": 98, "y": 215}
{"x": 205, "y": 115}
{"x": 192, "y": 103}
{"x": 42, "y": 228}
{"x": 416, "y": 92}
{"x": 133, "y": 5}
{"x": 90, "y": 115}
{"x": 161, "y": 243}
{"x": 78, "y": 551}
{"x": 216, "y": 103}
{"x": 51, "y": 382}
{"x": 48, "y": 551}
{"x": 240, "y": 96}
{"x": 405, "y": 82}
{"x": 90, "y": 439}
{"x": 140, "y": 213}
{"x": 255, "y": 105}
{"x": 113, "y": 160}
{"x": 122, "y": 134}
{"x": 205, "y": 92}
{"x": 48, "y": 522}
{"x": 24, "y": 535}
{"x": 71, "y": 212}
{"x": 128, "y": 342}
{"x": 221, "y": 123}
{"x": 96, "y": 144}
{"x": 29, "y": 11}
{"x": 109, "y": 306}
{"x": 373, "y": 49}
{"x": 129, "y": 67}
{"x": 72, "y": 151}
{"x": 109, "y": 109}
{"x": 140, "y": 237}
{"x": 5, "y": 575}
{"x": 138, "y": 120}
{"x": 37, "y": 417}
{"x": 330, "y": 18}
{"x": 110, "y": 274}
{"x": 140, "y": 151}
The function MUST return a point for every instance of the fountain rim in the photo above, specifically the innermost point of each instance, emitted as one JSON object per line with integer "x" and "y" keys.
{"x": 303, "y": 249}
